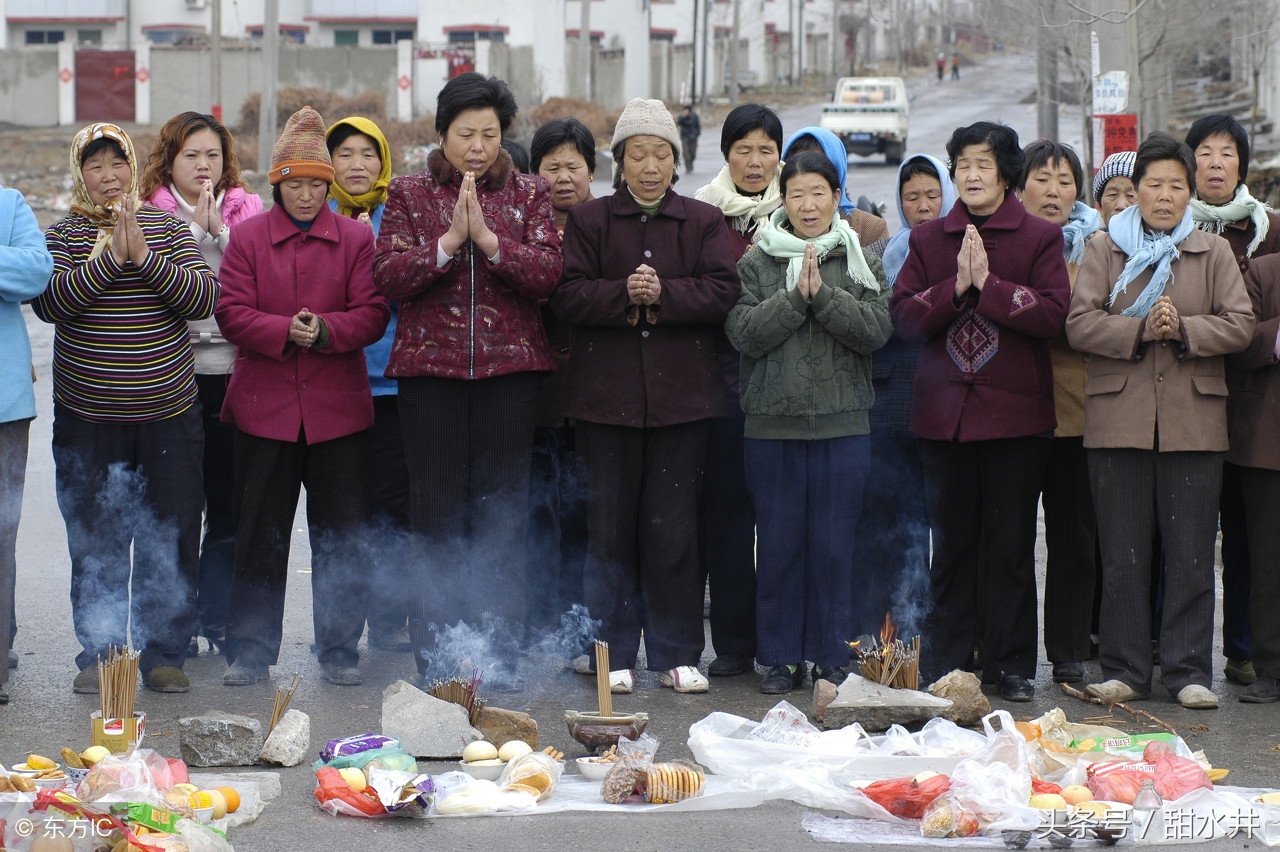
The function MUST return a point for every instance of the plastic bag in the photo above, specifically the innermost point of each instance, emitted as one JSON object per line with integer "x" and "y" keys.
{"x": 673, "y": 781}
{"x": 483, "y": 797}
{"x": 402, "y": 793}
{"x": 634, "y": 760}
{"x": 137, "y": 775}
{"x": 335, "y": 796}
{"x": 905, "y": 797}
{"x": 1174, "y": 776}
{"x": 996, "y": 782}
{"x": 946, "y": 817}
{"x": 537, "y": 772}
{"x": 785, "y": 725}
{"x": 390, "y": 757}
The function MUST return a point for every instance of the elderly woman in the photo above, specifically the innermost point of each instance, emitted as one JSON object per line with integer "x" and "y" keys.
{"x": 891, "y": 563}
{"x": 871, "y": 229}
{"x": 812, "y": 310}
{"x": 127, "y": 435}
{"x": 984, "y": 289}
{"x": 746, "y": 190}
{"x": 25, "y": 266}
{"x": 193, "y": 173}
{"x": 1222, "y": 205}
{"x": 649, "y": 279}
{"x": 1113, "y": 185}
{"x": 299, "y": 303}
{"x": 563, "y": 151}
{"x": 1156, "y": 306}
{"x": 467, "y": 248}
{"x": 1049, "y": 188}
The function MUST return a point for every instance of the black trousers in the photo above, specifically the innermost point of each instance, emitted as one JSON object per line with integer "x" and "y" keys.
{"x": 642, "y": 561}
{"x": 131, "y": 497}
{"x": 1261, "y": 491}
{"x": 218, "y": 546}
{"x": 1137, "y": 493}
{"x": 13, "y": 474}
{"x": 467, "y": 445}
{"x": 727, "y": 538}
{"x": 269, "y": 475}
{"x": 557, "y": 551}
{"x": 386, "y": 549}
{"x": 1237, "y": 641}
{"x": 1071, "y": 537}
{"x": 982, "y": 499}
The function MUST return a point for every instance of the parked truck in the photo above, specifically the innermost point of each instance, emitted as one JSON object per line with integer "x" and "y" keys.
{"x": 870, "y": 115}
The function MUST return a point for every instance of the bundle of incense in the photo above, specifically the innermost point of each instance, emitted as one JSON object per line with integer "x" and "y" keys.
{"x": 118, "y": 683}
{"x": 283, "y": 697}
{"x": 461, "y": 691}
{"x": 604, "y": 695}
{"x": 892, "y": 663}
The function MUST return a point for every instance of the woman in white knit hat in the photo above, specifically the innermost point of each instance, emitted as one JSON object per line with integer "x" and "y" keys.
{"x": 649, "y": 277}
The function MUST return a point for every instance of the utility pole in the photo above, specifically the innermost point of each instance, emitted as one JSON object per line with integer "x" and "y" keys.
{"x": 693, "y": 76}
{"x": 215, "y": 56}
{"x": 1047, "y": 74}
{"x": 584, "y": 47}
{"x": 733, "y": 54}
{"x": 706, "y": 37}
{"x": 270, "y": 74}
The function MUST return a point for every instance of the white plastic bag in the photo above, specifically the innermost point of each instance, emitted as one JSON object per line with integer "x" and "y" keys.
{"x": 995, "y": 783}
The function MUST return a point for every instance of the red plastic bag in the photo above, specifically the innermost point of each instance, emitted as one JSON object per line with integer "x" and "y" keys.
{"x": 1120, "y": 785}
{"x": 903, "y": 797}
{"x": 1175, "y": 776}
{"x": 1041, "y": 786}
{"x": 336, "y": 796}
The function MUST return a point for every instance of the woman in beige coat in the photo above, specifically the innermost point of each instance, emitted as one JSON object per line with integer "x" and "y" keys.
{"x": 1156, "y": 307}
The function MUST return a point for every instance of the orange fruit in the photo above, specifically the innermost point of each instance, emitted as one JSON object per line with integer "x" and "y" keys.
{"x": 232, "y": 797}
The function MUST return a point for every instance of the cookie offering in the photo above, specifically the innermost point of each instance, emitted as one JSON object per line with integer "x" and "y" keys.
{"x": 673, "y": 782}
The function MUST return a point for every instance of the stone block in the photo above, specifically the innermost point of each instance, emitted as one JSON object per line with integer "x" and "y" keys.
{"x": 502, "y": 726}
{"x": 290, "y": 740}
{"x": 824, "y": 692}
{"x": 220, "y": 739}
{"x": 876, "y": 707}
{"x": 426, "y": 726}
{"x": 964, "y": 691}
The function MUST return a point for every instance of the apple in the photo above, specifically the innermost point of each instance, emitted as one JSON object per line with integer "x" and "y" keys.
{"x": 1048, "y": 802}
{"x": 1076, "y": 793}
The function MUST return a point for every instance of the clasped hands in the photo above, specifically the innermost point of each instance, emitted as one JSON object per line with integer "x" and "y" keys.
{"x": 810, "y": 281}
{"x": 206, "y": 215}
{"x": 1163, "y": 322}
{"x": 643, "y": 286}
{"x": 128, "y": 243}
{"x": 468, "y": 222}
{"x": 972, "y": 267}
{"x": 304, "y": 329}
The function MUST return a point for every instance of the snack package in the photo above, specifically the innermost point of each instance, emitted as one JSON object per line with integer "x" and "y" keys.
{"x": 905, "y": 797}
{"x": 946, "y": 817}
{"x": 402, "y": 793}
{"x": 355, "y": 745}
{"x": 386, "y": 757}
{"x": 536, "y": 773}
{"x": 673, "y": 781}
{"x": 634, "y": 760}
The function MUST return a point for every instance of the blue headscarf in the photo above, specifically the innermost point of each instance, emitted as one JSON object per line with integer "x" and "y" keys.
{"x": 836, "y": 153}
{"x": 895, "y": 253}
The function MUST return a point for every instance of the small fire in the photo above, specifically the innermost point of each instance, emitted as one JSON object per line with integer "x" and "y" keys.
{"x": 890, "y": 661}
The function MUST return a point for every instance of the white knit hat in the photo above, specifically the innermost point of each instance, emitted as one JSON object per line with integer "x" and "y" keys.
{"x": 1118, "y": 164}
{"x": 646, "y": 117}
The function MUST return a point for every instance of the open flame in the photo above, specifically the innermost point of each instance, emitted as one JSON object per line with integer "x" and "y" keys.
{"x": 888, "y": 630}
{"x": 889, "y": 660}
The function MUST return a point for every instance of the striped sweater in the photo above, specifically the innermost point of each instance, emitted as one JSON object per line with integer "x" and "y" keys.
{"x": 121, "y": 352}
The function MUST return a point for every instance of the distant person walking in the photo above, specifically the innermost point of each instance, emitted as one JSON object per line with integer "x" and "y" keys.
{"x": 955, "y": 66}
{"x": 690, "y": 129}
{"x": 942, "y": 66}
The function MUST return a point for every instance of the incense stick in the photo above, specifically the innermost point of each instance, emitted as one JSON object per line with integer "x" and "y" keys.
{"x": 604, "y": 694}
{"x": 118, "y": 683}
{"x": 283, "y": 697}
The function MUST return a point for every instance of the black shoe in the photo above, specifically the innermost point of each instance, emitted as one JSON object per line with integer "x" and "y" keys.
{"x": 342, "y": 674}
{"x": 396, "y": 640}
{"x": 4, "y": 696}
{"x": 730, "y": 664}
{"x": 167, "y": 679}
{"x": 1264, "y": 690}
{"x": 1068, "y": 672}
{"x": 780, "y": 680}
{"x": 833, "y": 675}
{"x": 1016, "y": 688}
{"x": 244, "y": 672}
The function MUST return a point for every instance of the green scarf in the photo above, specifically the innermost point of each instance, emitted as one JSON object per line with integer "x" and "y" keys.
{"x": 747, "y": 212}
{"x": 777, "y": 240}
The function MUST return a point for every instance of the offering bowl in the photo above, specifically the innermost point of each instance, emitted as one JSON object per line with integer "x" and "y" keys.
{"x": 598, "y": 732}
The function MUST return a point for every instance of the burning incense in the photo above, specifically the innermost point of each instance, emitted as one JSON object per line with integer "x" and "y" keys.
{"x": 603, "y": 693}
{"x": 890, "y": 661}
{"x": 461, "y": 691}
{"x": 118, "y": 683}
{"x": 283, "y": 697}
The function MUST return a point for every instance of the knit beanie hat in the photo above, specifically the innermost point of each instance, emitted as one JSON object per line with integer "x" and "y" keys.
{"x": 1119, "y": 164}
{"x": 646, "y": 117}
{"x": 300, "y": 152}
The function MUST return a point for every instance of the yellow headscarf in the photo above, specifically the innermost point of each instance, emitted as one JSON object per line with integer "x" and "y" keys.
{"x": 348, "y": 204}
{"x": 103, "y": 217}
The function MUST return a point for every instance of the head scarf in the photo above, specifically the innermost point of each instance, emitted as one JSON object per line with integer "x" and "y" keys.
{"x": 895, "y": 253}
{"x": 1144, "y": 249}
{"x": 748, "y": 213}
{"x": 1083, "y": 222}
{"x": 836, "y": 153}
{"x": 351, "y": 205}
{"x": 781, "y": 242}
{"x": 1214, "y": 217}
{"x": 102, "y": 216}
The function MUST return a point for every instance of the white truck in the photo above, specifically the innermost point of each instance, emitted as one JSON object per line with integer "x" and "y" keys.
{"x": 870, "y": 115}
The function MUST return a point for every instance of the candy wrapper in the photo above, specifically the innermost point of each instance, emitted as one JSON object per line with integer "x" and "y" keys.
{"x": 536, "y": 773}
{"x": 402, "y": 793}
{"x": 673, "y": 781}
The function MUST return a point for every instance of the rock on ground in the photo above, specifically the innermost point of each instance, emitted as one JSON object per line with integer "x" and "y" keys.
{"x": 502, "y": 726}
{"x": 425, "y": 725}
{"x": 289, "y": 741}
{"x": 220, "y": 739}
{"x": 824, "y": 692}
{"x": 964, "y": 691}
{"x": 876, "y": 706}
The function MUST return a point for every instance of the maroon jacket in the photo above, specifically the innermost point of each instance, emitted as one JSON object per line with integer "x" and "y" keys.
{"x": 272, "y": 270}
{"x": 656, "y": 374}
{"x": 984, "y": 369}
{"x": 470, "y": 319}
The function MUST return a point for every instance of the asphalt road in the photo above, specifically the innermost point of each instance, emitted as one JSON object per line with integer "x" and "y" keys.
{"x": 45, "y": 715}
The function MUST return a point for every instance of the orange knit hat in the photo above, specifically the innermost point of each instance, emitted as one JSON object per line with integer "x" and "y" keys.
{"x": 300, "y": 152}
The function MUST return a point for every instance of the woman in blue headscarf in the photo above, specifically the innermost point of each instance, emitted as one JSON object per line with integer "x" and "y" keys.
{"x": 893, "y": 528}
{"x": 870, "y": 228}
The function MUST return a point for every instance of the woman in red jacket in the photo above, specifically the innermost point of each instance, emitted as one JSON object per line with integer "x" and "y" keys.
{"x": 298, "y": 301}
{"x": 984, "y": 289}
{"x": 467, "y": 248}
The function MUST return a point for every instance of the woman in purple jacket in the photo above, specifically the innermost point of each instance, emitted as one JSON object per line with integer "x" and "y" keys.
{"x": 983, "y": 289}
{"x": 299, "y": 302}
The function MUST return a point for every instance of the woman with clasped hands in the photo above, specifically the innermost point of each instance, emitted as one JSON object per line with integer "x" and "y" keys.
{"x": 1156, "y": 306}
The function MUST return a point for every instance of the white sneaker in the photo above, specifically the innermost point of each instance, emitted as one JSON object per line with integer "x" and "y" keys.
{"x": 1115, "y": 690}
{"x": 1196, "y": 697}
{"x": 581, "y": 665}
{"x": 621, "y": 681}
{"x": 684, "y": 679}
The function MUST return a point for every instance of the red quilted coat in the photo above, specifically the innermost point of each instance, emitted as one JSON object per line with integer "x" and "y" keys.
{"x": 471, "y": 319}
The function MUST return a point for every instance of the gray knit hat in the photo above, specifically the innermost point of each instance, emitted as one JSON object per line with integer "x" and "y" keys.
{"x": 646, "y": 117}
{"x": 1118, "y": 164}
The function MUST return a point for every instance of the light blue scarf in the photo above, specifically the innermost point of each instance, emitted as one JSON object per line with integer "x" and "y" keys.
{"x": 895, "y": 251}
{"x": 1145, "y": 249}
{"x": 1083, "y": 222}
